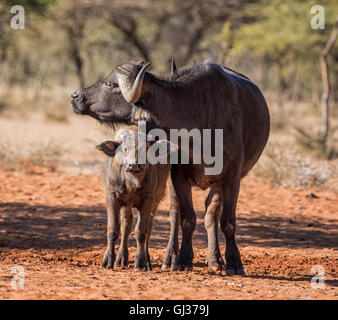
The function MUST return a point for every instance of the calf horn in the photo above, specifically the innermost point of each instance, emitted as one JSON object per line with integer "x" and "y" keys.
{"x": 132, "y": 92}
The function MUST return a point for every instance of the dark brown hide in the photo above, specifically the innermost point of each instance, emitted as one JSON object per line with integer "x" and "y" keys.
{"x": 205, "y": 96}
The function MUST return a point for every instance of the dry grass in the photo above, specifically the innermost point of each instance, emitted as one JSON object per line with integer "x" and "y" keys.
{"x": 57, "y": 114}
{"x": 43, "y": 153}
{"x": 294, "y": 155}
{"x": 286, "y": 167}
{"x": 312, "y": 142}
{"x": 53, "y": 102}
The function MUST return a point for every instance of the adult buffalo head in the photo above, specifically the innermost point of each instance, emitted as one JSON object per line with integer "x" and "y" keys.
{"x": 113, "y": 100}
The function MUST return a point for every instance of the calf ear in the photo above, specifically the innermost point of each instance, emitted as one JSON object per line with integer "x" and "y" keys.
{"x": 108, "y": 147}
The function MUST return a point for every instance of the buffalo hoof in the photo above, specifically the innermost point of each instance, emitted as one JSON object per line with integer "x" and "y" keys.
{"x": 146, "y": 267}
{"x": 165, "y": 266}
{"x": 121, "y": 259}
{"x": 185, "y": 266}
{"x": 108, "y": 260}
{"x": 235, "y": 271}
{"x": 215, "y": 263}
{"x": 169, "y": 262}
{"x": 215, "y": 267}
{"x": 183, "y": 263}
{"x": 166, "y": 263}
{"x": 142, "y": 264}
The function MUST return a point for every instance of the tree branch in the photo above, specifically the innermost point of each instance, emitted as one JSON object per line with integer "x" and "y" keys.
{"x": 326, "y": 85}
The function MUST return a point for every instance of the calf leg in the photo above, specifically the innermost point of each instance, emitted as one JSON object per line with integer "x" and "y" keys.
{"x": 150, "y": 226}
{"x": 141, "y": 232}
{"x": 126, "y": 228}
{"x": 113, "y": 230}
{"x": 188, "y": 219}
{"x": 228, "y": 221}
{"x": 213, "y": 206}
{"x": 174, "y": 212}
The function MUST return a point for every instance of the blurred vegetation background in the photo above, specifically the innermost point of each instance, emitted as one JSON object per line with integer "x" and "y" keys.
{"x": 70, "y": 44}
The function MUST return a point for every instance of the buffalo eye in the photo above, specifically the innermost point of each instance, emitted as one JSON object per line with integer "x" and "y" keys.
{"x": 108, "y": 84}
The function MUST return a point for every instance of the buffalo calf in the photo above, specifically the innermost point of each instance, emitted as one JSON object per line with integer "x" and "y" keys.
{"x": 129, "y": 185}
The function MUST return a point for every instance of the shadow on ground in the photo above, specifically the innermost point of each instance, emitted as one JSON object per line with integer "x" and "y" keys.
{"x": 25, "y": 226}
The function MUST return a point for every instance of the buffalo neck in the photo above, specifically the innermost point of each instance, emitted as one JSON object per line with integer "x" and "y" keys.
{"x": 176, "y": 104}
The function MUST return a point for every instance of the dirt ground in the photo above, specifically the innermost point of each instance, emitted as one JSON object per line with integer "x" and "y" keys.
{"x": 53, "y": 224}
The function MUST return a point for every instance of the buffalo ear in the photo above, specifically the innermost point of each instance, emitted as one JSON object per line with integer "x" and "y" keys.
{"x": 173, "y": 69}
{"x": 108, "y": 147}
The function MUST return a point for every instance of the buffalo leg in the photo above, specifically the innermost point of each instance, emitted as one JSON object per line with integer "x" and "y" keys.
{"x": 174, "y": 212}
{"x": 150, "y": 226}
{"x": 188, "y": 219}
{"x": 113, "y": 230}
{"x": 213, "y": 205}
{"x": 126, "y": 228}
{"x": 228, "y": 221}
{"x": 141, "y": 232}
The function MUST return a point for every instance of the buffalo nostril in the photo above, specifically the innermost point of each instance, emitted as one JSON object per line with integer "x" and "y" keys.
{"x": 74, "y": 95}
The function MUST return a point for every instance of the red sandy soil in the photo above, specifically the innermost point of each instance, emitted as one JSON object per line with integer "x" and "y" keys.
{"x": 54, "y": 225}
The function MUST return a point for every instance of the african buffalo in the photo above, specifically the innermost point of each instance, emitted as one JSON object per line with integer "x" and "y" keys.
{"x": 129, "y": 185}
{"x": 203, "y": 96}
